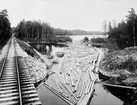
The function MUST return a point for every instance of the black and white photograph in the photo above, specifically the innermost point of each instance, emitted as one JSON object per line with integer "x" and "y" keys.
{"x": 68, "y": 52}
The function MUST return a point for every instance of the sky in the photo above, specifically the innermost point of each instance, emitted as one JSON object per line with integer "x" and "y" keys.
{"x": 69, "y": 14}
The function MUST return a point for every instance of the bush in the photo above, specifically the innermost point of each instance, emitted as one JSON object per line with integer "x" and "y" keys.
{"x": 28, "y": 49}
{"x": 120, "y": 60}
{"x": 130, "y": 65}
{"x": 98, "y": 40}
{"x": 85, "y": 39}
{"x": 60, "y": 39}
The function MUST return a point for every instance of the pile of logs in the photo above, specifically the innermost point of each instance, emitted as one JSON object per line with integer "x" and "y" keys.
{"x": 37, "y": 69}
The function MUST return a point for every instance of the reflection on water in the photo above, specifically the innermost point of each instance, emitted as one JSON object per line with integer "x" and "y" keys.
{"x": 104, "y": 97}
{"x": 48, "y": 98}
{"x": 48, "y": 49}
{"x": 45, "y": 95}
{"x": 128, "y": 96}
{"x": 43, "y": 48}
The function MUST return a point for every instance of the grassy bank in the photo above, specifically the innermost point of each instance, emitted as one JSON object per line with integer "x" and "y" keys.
{"x": 60, "y": 39}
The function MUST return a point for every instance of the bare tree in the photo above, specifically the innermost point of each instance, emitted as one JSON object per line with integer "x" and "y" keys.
{"x": 114, "y": 23}
{"x": 105, "y": 27}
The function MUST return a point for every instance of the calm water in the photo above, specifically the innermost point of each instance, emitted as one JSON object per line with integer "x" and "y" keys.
{"x": 80, "y": 37}
{"x": 102, "y": 96}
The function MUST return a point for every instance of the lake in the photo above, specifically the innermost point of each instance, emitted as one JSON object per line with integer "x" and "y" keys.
{"x": 80, "y": 37}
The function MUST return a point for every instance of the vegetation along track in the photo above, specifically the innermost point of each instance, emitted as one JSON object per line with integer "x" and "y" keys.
{"x": 16, "y": 87}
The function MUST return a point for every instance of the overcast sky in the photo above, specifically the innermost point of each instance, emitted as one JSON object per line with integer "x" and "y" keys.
{"x": 69, "y": 14}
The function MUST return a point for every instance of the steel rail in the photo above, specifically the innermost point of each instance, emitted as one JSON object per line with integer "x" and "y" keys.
{"x": 5, "y": 59}
{"x": 16, "y": 86}
{"x": 17, "y": 69}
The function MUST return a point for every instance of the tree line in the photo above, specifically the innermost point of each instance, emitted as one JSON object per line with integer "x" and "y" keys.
{"x": 39, "y": 31}
{"x": 83, "y": 32}
{"x": 36, "y": 30}
{"x": 5, "y": 28}
{"x": 125, "y": 33}
{"x": 32, "y": 30}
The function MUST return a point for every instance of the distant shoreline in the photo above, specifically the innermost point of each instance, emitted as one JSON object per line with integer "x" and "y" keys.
{"x": 85, "y": 34}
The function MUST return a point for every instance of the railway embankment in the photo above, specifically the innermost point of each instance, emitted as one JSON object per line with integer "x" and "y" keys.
{"x": 16, "y": 86}
{"x": 39, "y": 66}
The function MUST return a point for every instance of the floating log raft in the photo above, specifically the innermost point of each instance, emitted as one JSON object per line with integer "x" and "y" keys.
{"x": 79, "y": 64}
{"x": 78, "y": 74}
{"x": 85, "y": 98}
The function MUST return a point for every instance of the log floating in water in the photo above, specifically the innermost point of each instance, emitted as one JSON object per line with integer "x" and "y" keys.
{"x": 80, "y": 100}
{"x": 82, "y": 90}
{"x": 55, "y": 82}
{"x": 76, "y": 71}
{"x": 79, "y": 88}
{"x": 92, "y": 75}
{"x": 88, "y": 84}
{"x": 72, "y": 82}
{"x": 69, "y": 92}
{"x": 119, "y": 86}
{"x": 86, "y": 68}
{"x": 85, "y": 98}
{"x": 71, "y": 88}
{"x": 74, "y": 77}
{"x": 79, "y": 80}
{"x": 66, "y": 79}
{"x": 79, "y": 65}
{"x": 59, "y": 94}
{"x": 64, "y": 91}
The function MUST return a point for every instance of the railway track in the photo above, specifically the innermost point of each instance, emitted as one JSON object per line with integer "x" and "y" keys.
{"x": 16, "y": 87}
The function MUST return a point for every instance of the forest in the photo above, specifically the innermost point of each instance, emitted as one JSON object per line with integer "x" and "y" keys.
{"x": 121, "y": 35}
{"x": 40, "y": 31}
{"x": 125, "y": 33}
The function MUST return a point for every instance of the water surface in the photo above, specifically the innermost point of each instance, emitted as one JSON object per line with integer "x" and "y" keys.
{"x": 101, "y": 96}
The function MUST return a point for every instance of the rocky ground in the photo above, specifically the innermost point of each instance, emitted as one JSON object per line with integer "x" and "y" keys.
{"x": 121, "y": 66}
{"x": 38, "y": 69}
{"x": 39, "y": 66}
